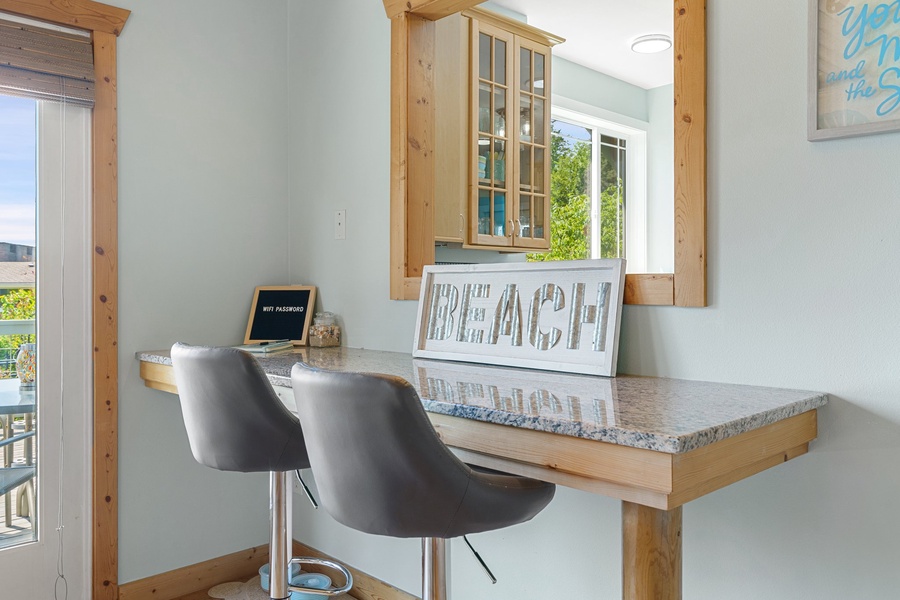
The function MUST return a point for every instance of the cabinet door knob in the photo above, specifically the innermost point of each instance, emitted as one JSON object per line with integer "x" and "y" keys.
{"x": 510, "y": 232}
{"x": 462, "y": 224}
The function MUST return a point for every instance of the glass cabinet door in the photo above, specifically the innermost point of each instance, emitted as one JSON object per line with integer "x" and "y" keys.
{"x": 533, "y": 134}
{"x": 492, "y": 66}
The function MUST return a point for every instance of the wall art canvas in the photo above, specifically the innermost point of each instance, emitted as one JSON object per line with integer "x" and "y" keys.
{"x": 854, "y": 68}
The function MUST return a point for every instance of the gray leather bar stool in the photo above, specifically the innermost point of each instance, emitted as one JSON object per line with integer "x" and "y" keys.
{"x": 235, "y": 422}
{"x": 381, "y": 468}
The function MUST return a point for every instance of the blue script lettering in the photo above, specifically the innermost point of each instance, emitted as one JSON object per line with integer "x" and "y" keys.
{"x": 856, "y": 23}
{"x": 886, "y": 43}
{"x": 890, "y": 103}
{"x": 860, "y": 89}
{"x": 854, "y": 73}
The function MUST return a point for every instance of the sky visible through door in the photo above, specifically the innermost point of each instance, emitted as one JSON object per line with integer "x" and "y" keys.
{"x": 18, "y": 193}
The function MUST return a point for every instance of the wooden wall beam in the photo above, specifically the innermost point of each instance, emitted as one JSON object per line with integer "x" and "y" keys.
{"x": 690, "y": 152}
{"x": 106, "y": 23}
{"x": 420, "y": 146}
{"x": 105, "y": 464}
{"x": 79, "y": 14}
{"x": 412, "y": 152}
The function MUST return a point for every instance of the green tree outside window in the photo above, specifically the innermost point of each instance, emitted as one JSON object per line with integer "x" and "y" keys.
{"x": 15, "y": 305}
{"x": 570, "y": 204}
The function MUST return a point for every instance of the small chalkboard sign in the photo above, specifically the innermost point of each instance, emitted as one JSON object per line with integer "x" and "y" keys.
{"x": 281, "y": 312}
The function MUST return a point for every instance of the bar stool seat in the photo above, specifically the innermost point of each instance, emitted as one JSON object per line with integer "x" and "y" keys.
{"x": 236, "y": 422}
{"x": 381, "y": 467}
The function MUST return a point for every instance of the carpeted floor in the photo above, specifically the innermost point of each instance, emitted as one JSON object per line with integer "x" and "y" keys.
{"x": 249, "y": 590}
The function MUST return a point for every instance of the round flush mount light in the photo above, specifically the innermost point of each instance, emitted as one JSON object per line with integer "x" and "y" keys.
{"x": 650, "y": 44}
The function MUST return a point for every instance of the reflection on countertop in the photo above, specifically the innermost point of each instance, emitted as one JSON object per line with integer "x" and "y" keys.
{"x": 666, "y": 415}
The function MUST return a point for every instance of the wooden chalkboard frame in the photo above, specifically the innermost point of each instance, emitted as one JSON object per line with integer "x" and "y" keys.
{"x": 287, "y": 327}
{"x": 835, "y": 66}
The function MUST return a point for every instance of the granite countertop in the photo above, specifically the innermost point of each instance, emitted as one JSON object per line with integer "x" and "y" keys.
{"x": 666, "y": 415}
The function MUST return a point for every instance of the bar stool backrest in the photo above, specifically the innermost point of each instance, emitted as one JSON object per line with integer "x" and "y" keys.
{"x": 381, "y": 468}
{"x": 234, "y": 419}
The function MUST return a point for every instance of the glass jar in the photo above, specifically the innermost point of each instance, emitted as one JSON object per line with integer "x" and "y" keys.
{"x": 324, "y": 331}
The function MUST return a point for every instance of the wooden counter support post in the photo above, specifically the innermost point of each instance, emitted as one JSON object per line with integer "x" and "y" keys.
{"x": 651, "y": 553}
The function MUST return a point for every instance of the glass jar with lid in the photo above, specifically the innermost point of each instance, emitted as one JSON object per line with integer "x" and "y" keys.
{"x": 324, "y": 331}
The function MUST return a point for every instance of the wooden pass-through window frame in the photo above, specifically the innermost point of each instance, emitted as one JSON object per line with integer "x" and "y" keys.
{"x": 413, "y": 163}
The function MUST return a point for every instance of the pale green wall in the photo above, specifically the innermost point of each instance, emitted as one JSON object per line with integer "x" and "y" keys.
{"x": 801, "y": 237}
{"x": 576, "y": 82}
{"x": 802, "y": 243}
{"x": 202, "y": 203}
{"x": 660, "y": 180}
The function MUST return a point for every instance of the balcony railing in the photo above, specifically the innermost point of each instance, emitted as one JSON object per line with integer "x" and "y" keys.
{"x": 8, "y": 355}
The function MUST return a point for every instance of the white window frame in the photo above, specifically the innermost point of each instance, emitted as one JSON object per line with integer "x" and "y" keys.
{"x": 634, "y": 132}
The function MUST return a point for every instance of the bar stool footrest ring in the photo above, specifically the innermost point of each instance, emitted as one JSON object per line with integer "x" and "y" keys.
{"x": 322, "y": 563}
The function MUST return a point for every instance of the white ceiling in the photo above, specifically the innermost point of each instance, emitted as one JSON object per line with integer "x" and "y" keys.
{"x": 599, "y": 33}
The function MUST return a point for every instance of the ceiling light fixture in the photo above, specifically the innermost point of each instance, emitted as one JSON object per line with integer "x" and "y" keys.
{"x": 650, "y": 44}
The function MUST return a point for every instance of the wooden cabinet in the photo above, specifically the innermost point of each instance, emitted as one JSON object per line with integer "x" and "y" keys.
{"x": 492, "y": 132}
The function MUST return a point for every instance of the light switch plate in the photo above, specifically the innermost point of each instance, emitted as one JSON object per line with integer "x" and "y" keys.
{"x": 340, "y": 224}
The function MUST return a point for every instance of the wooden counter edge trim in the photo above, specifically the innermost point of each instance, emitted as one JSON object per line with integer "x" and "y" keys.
{"x": 620, "y": 465}
{"x": 704, "y": 470}
{"x": 600, "y": 487}
{"x": 630, "y": 474}
{"x": 157, "y": 376}
{"x": 663, "y": 480}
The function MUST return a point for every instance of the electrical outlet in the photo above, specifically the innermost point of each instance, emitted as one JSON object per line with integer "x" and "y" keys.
{"x": 340, "y": 224}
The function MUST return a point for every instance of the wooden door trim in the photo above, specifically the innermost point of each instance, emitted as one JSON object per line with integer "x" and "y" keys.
{"x": 105, "y": 23}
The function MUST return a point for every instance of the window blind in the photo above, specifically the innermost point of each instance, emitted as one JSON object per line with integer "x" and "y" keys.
{"x": 46, "y": 64}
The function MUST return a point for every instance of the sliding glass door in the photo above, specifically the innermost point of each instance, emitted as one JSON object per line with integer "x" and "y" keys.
{"x": 44, "y": 347}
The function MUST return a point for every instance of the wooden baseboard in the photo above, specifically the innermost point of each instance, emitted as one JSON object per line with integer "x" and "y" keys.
{"x": 365, "y": 587}
{"x": 241, "y": 566}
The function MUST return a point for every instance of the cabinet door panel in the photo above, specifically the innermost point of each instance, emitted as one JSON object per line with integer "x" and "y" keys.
{"x": 532, "y": 135}
{"x": 491, "y": 198}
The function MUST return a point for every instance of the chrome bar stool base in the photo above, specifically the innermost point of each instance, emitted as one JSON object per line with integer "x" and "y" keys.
{"x": 280, "y": 545}
{"x": 434, "y": 569}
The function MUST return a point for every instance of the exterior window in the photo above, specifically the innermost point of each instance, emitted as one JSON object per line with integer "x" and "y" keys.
{"x": 597, "y": 172}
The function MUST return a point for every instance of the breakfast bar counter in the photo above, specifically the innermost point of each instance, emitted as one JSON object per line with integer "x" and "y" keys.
{"x": 653, "y": 443}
